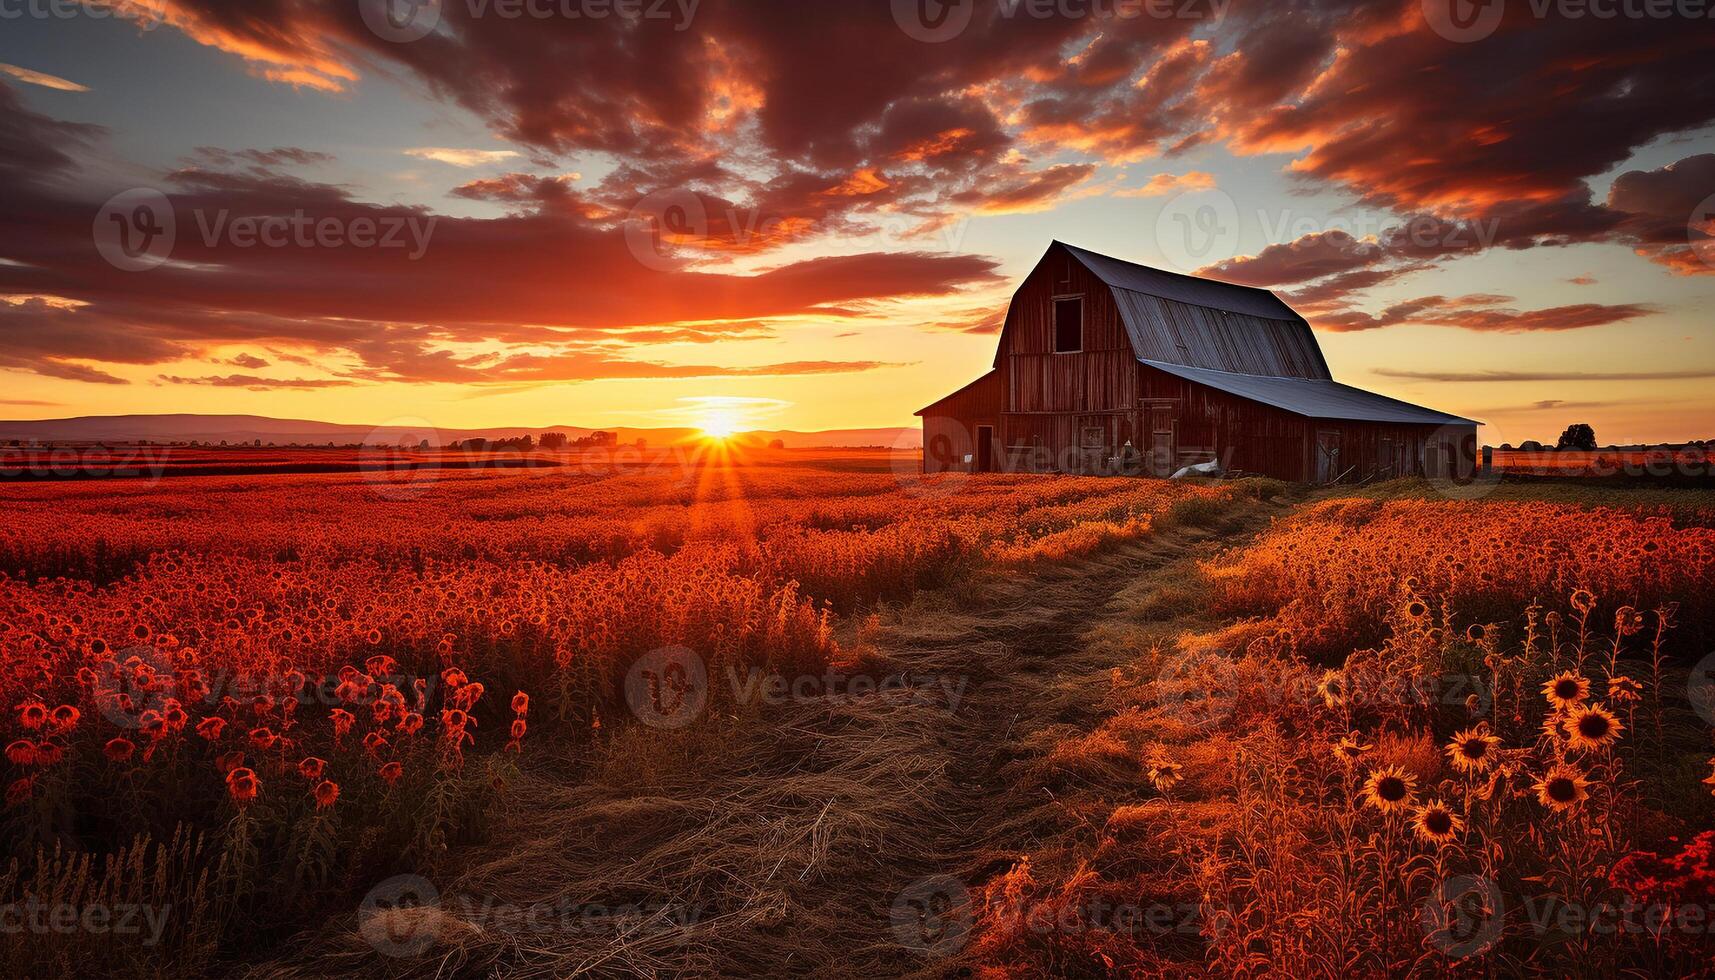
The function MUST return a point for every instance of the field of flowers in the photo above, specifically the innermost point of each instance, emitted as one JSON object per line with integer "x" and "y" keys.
{"x": 245, "y": 696}
{"x": 1434, "y": 738}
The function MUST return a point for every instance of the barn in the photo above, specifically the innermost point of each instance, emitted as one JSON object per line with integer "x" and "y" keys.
{"x": 1108, "y": 367}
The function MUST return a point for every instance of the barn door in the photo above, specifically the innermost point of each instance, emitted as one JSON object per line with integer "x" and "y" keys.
{"x": 1327, "y": 456}
{"x": 985, "y": 449}
{"x": 1161, "y": 449}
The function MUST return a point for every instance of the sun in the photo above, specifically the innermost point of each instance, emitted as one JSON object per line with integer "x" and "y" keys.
{"x": 720, "y": 425}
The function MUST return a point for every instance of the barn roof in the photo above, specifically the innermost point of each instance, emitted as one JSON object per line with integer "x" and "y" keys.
{"x": 1206, "y": 323}
{"x": 1317, "y": 398}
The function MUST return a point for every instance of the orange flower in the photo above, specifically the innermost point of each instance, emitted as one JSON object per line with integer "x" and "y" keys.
{"x": 1334, "y": 689}
{"x": 1435, "y": 824}
{"x": 243, "y": 785}
{"x": 518, "y": 728}
{"x": 1164, "y": 775}
{"x": 1562, "y": 787}
{"x": 1351, "y": 746}
{"x": 1472, "y": 750}
{"x": 1389, "y": 789}
{"x": 1565, "y": 689}
{"x": 1591, "y": 727}
{"x": 520, "y": 703}
{"x": 327, "y": 791}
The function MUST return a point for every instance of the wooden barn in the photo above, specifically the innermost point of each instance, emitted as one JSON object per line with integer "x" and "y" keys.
{"x": 1110, "y": 367}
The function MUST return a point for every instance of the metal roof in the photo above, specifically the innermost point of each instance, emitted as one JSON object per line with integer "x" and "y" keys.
{"x": 1317, "y": 398}
{"x": 1211, "y": 293}
{"x": 1206, "y": 323}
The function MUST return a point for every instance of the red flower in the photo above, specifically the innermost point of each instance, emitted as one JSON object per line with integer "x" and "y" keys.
{"x": 210, "y": 728}
{"x": 21, "y": 791}
{"x": 47, "y": 753}
{"x": 518, "y": 728}
{"x": 374, "y": 742}
{"x": 454, "y": 677}
{"x": 243, "y": 785}
{"x": 520, "y": 703}
{"x": 119, "y": 749}
{"x": 21, "y": 753}
{"x": 262, "y": 739}
{"x": 228, "y": 761}
{"x": 66, "y": 717}
{"x": 411, "y": 724}
{"x": 326, "y": 792}
{"x": 33, "y": 714}
{"x": 175, "y": 717}
{"x": 312, "y": 767}
{"x": 342, "y": 722}
{"x": 391, "y": 772}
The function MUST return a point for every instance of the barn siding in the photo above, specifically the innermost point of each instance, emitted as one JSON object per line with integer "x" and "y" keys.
{"x": 950, "y": 425}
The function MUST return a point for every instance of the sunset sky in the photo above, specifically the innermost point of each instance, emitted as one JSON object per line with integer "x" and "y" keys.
{"x": 817, "y": 210}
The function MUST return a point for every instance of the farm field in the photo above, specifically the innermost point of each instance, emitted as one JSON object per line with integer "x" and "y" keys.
{"x": 708, "y": 712}
{"x": 1691, "y": 461}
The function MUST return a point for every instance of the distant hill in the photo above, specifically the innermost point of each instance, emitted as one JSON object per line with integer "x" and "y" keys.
{"x": 249, "y": 428}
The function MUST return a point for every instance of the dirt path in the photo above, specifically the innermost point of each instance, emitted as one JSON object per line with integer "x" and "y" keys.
{"x": 833, "y": 835}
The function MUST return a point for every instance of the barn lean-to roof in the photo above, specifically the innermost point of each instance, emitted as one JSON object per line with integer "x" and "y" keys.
{"x": 1313, "y": 397}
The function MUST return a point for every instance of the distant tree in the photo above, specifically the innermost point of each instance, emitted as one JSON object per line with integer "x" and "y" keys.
{"x": 1578, "y": 436}
{"x": 1506, "y": 447}
{"x": 1530, "y": 446}
{"x": 423, "y": 445}
{"x": 777, "y": 444}
{"x": 553, "y": 441}
{"x": 642, "y": 443}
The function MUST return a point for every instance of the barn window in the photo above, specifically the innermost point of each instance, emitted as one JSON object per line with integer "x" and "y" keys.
{"x": 1068, "y": 325}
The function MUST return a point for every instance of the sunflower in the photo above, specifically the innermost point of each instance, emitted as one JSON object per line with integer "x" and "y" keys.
{"x": 1592, "y": 726}
{"x": 1562, "y": 787}
{"x": 1709, "y": 780}
{"x": 1164, "y": 775}
{"x": 1435, "y": 824}
{"x": 1351, "y": 746}
{"x": 1473, "y": 750}
{"x": 1389, "y": 789}
{"x": 1333, "y": 688}
{"x": 1566, "y": 689}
